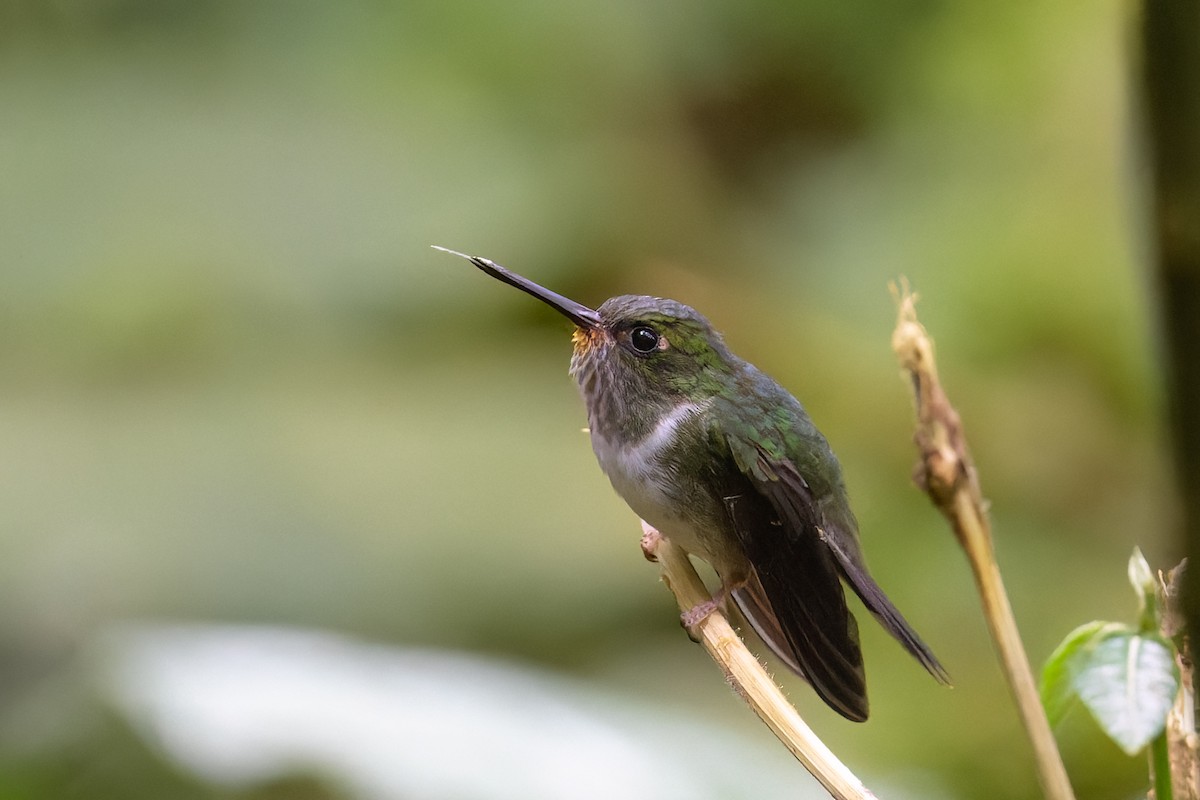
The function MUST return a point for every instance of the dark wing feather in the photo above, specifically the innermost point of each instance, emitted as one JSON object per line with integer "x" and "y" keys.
{"x": 795, "y": 599}
{"x": 752, "y": 602}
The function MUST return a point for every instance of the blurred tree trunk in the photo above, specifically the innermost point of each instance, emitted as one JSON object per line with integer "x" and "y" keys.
{"x": 1171, "y": 93}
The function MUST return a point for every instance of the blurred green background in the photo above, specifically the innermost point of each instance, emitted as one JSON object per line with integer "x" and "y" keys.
{"x": 236, "y": 385}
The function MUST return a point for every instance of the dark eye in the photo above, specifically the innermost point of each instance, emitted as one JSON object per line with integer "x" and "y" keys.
{"x": 643, "y": 339}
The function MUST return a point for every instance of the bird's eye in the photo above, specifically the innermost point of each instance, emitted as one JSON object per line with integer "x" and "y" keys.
{"x": 643, "y": 339}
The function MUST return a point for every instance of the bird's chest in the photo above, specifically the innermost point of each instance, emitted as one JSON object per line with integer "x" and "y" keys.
{"x": 659, "y": 475}
{"x": 641, "y": 474}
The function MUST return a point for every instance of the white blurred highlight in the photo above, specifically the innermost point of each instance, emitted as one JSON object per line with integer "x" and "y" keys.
{"x": 242, "y": 705}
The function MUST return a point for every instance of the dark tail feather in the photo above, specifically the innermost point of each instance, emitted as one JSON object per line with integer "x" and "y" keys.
{"x": 888, "y": 615}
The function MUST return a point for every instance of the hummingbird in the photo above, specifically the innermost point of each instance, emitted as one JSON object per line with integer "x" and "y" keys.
{"x": 726, "y": 464}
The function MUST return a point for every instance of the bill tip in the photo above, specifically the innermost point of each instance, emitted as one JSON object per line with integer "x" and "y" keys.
{"x": 448, "y": 250}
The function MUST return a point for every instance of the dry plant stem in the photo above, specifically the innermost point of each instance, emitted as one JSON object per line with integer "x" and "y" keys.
{"x": 746, "y": 674}
{"x": 947, "y": 475}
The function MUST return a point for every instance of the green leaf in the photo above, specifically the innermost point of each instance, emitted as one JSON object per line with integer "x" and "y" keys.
{"x": 1128, "y": 681}
{"x": 1057, "y": 689}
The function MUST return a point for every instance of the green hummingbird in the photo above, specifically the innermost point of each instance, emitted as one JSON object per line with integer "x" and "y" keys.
{"x": 727, "y": 465}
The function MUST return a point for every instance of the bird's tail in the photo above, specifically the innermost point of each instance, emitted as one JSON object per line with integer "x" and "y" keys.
{"x": 855, "y": 572}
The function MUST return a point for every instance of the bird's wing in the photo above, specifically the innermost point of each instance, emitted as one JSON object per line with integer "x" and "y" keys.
{"x": 838, "y": 532}
{"x": 794, "y": 600}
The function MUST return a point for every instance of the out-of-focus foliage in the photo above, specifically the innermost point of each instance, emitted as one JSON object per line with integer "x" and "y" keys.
{"x": 1126, "y": 675}
{"x": 237, "y": 385}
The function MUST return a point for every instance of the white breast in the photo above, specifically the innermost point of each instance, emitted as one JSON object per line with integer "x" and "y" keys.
{"x": 636, "y": 470}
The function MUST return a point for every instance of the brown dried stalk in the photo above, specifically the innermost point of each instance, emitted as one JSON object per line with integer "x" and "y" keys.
{"x": 947, "y": 474}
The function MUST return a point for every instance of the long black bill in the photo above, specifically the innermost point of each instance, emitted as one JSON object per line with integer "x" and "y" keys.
{"x": 581, "y": 315}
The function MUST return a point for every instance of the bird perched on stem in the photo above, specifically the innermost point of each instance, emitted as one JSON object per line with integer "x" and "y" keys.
{"x": 724, "y": 462}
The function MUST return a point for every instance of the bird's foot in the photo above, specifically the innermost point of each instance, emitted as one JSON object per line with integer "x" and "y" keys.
{"x": 650, "y": 540}
{"x": 697, "y": 614}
